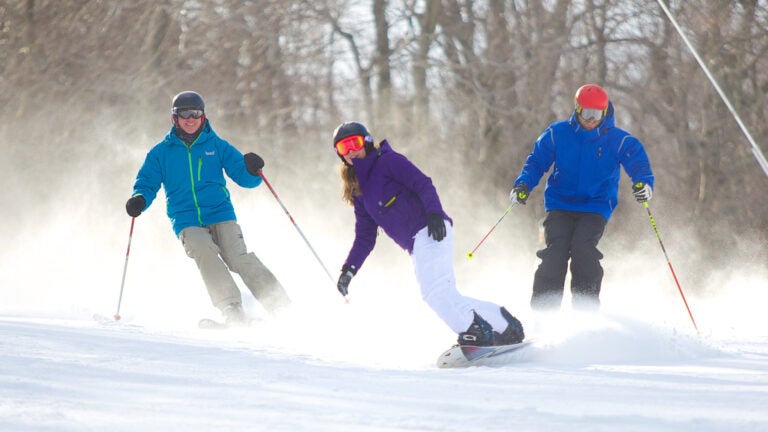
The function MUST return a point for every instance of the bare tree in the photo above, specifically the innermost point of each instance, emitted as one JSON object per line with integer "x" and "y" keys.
{"x": 477, "y": 80}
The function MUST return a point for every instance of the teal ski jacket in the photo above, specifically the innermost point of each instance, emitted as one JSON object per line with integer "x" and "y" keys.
{"x": 586, "y": 172}
{"x": 193, "y": 178}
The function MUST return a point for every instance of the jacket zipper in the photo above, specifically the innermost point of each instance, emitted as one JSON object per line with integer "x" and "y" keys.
{"x": 192, "y": 179}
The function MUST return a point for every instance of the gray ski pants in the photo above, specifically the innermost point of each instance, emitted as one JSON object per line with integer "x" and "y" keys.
{"x": 218, "y": 249}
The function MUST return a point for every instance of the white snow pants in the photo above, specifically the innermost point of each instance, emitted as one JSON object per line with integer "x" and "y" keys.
{"x": 433, "y": 264}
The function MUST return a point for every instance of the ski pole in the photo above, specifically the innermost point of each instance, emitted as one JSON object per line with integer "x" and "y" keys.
{"x": 472, "y": 253}
{"x": 674, "y": 276}
{"x": 296, "y": 226}
{"x": 125, "y": 269}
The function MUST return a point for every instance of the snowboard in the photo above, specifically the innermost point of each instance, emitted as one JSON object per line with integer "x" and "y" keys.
{"x": 467, "y": 355}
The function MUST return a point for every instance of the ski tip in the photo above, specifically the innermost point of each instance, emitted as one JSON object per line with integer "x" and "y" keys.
{"x": 209, "y": 324}
{"x": 107, "y": 320}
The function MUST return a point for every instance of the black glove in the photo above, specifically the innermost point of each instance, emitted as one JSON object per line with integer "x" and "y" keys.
{"x": 642, "y": 192}
{"x": 135, "y": 205}
{"x": 253, "y": 163}
{"x": 436, "y": 226}
{"x": 347, "y": 271}
{"x": 519, "y": 193}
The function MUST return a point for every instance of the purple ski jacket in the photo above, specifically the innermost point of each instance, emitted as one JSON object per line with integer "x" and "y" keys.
{"x": 396, "y": 196}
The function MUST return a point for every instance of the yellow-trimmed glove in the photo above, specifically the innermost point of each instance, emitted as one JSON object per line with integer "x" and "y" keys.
{"x": 519, "y": 193}
{"x": 642, "y": 192}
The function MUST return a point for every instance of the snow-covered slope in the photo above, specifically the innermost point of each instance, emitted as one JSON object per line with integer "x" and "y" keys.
{"x": 369, "y": 365}
{"x": 585, "y": 373}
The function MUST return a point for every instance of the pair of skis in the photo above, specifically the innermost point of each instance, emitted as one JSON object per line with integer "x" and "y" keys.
{"x": 204, "y": 324}
{"x": 211, "y": 324}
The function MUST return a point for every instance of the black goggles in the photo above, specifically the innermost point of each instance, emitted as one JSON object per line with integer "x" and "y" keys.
{"x": 187, "y": 113}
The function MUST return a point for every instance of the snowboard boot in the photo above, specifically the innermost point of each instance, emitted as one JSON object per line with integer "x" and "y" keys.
{"x": 479, "y": 333}
{"x": 512, "y": 334}
{"x": 234, "y": 315}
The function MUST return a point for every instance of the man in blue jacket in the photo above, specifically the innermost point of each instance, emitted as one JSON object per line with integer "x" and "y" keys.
{"x": 581, "y": 194}
{"x": 190, "y": 163}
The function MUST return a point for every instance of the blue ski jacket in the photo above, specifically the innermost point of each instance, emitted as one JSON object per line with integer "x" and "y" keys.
{"x": 585, "y": 177}
{"x": 193, "y": 178}
{"x": 396, "y": 196}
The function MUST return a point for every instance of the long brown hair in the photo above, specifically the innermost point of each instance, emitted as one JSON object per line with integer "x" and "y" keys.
{"x": 350, "y": 188}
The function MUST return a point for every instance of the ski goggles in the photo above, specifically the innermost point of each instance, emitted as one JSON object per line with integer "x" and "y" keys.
{"x": 590, "y": 113}
{"x": 350, "y": 144}
{"x": 187, "y": 113}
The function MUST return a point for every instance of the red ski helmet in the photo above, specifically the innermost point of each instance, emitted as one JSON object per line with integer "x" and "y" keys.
{"x": 591, "y": 96}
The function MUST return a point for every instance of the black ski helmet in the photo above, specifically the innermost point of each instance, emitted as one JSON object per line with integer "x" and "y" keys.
{"x": 352, "y": 128}
{"x": 187, "y": 100}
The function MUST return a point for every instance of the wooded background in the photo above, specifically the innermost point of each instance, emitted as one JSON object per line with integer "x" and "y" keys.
{"x": 461, "y": 87}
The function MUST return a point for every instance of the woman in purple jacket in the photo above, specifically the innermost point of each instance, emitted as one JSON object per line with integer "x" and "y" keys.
{"x": 388, "y": 191}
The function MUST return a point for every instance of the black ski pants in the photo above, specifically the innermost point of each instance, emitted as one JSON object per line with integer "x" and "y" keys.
{"x": 569, "y": 236}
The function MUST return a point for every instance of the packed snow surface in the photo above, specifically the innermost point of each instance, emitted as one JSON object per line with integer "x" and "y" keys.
{"x": 601, "y": 372}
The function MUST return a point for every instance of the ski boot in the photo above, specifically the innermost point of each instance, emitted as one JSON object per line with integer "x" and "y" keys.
{"x": 234, "y": 315}
{"x": 513, "y": 334}
{"x": 479, "y": 333}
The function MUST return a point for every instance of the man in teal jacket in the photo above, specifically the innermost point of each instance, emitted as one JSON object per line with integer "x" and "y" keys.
{"x": 190, "y": 163}
{"x": 587, "y": 152}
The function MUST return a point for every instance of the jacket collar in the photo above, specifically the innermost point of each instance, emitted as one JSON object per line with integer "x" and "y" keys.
{"x": 364, "y": 164}
{"x": 205, "y": 133}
